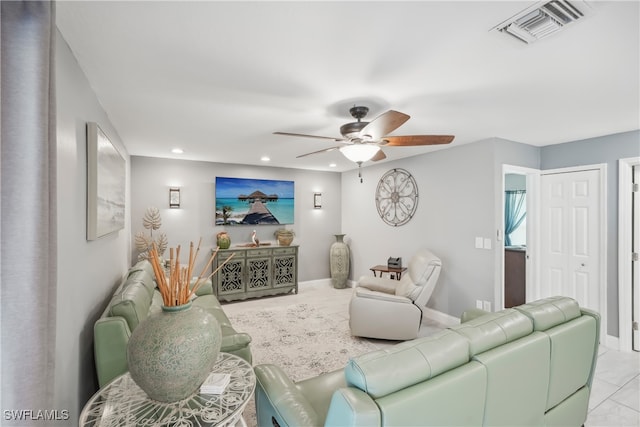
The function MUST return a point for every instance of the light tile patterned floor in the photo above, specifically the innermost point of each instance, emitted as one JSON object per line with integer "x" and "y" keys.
{"x": 615, "y": 398}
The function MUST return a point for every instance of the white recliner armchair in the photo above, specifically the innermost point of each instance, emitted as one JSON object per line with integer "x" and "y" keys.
{"x": 392, "y": 309}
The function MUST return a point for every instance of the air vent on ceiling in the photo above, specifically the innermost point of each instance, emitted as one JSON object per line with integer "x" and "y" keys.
{"x": 543, "y": 19}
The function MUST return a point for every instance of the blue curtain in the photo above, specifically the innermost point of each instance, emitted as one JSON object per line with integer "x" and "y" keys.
{"x": 514, "y": 212}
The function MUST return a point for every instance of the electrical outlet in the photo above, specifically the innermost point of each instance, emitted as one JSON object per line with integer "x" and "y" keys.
{"x": 486, "y": 305}
{"x": 479, "y": 304}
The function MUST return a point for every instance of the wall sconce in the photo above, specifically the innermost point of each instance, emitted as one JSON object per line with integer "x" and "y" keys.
{"x": 317, "y": 200}
{"x": 174, "y": 198}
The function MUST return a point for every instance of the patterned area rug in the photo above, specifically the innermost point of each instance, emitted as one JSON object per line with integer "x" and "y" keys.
{"x": 301, "y": 339}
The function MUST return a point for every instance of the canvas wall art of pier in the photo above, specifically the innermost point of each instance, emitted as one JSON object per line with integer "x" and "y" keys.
{"x": 247, "y": 201}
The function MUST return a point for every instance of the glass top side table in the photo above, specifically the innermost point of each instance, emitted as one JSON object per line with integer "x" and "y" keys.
{"x": 123, "y": 403}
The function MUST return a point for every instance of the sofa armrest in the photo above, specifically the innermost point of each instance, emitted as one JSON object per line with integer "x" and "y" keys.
{"x": 205, "y": 288}
{"x": 596, "y": 316}
{"x": 110, "y": 335}
{"x": 472, "y": 314}
{"x": 381, "y": 296}
{"x": 379, "y": 284}
{"x": 279, "y": 401}
{"x": 352, "y": 407}
{"x": 234, "y": 342}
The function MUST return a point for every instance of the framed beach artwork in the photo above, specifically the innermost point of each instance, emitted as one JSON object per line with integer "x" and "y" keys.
{"x": 106, "y": 184}
{"x": 246, "y": 201}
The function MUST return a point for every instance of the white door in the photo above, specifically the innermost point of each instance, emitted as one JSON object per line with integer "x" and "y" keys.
{"x": 636, "y": 263}
{"x": 570, "y": 236}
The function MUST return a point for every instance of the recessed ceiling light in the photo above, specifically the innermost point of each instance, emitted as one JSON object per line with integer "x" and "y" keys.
{"x": 177, "y": 151}
{"x": 332, "y": 165}
{"x": 265, "y": 158}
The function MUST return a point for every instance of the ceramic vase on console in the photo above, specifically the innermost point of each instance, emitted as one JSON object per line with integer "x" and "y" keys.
{"x": 285, "y": 237}
{"x": 223, "y": 240}
{"x": 339, "y": 262}
{"x": 172, "y": 352}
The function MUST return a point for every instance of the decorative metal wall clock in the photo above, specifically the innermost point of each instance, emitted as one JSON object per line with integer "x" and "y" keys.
{"x": 397, "y": 197}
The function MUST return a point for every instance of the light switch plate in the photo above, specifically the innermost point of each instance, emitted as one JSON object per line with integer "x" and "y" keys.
{"x": 479, "y": 243}
{"x": 487, "y": 243}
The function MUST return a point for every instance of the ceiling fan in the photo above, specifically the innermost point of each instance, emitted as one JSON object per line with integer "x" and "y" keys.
{"x": 361, "y": 141}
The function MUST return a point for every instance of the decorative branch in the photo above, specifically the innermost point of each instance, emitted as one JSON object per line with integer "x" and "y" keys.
{"x": 175, "y": 287}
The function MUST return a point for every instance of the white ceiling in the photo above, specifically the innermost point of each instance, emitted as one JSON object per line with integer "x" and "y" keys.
{"x": 217, "y": 78}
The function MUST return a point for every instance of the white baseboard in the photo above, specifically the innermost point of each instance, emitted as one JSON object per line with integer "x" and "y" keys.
{"x": 440, "y": 317}
{"x": 324, "y": 282}
{"x": 612, "y": 342}
{"x": 318, "y": 282}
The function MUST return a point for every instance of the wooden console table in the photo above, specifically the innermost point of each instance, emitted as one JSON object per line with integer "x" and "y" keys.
{"x": 256, "y": 272}
{"x": 394, "y": 272}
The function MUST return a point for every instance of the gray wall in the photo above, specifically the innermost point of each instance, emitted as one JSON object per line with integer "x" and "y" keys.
{"x": 87, "y": 271}
{"x": 467, "y": 181}
{"x": 457, "y": 202}
{"x": 607, "y": 149}
{"x": 314, "y": 228}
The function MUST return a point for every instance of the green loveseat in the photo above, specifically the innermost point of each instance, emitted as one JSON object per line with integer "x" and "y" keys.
{"x": 532, "y": 365}
{"x": 135, "y": 299}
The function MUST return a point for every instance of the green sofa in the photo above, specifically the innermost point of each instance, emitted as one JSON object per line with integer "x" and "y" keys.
{"x": 530, "y": 365}
{"x": 135, "y": 299}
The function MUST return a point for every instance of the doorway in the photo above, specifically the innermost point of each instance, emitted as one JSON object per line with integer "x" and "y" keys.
{"x": 570, "y": 236}
{"x": 628, "y": 245}
{"x": 635, "y": 280}
{"x": 547, "y": 271}
{"x": 515, "y": 239}
{"x": 516, "y": 265}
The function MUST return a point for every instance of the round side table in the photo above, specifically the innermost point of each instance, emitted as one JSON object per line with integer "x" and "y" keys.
{"x": 123, "y": 403}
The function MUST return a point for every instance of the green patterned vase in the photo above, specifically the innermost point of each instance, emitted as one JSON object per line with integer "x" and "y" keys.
{"x": 172, "y": 352}
{"x": 223, "y": 240}
{"x": 339, "y": 262}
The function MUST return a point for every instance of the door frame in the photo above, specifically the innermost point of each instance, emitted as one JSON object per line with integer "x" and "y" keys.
{"x": 533, "y": 236}
{"x": 533, "y": 179}
{"x": 625, "y": 294}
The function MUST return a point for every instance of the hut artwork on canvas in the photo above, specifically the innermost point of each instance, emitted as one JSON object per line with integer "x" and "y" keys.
{"x": 249, "y": 201}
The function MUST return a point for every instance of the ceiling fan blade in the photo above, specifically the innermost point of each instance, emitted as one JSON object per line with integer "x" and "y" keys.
{"x": 326, "y": 150}
{"x": 308, "y": 136}
{"x": 379, "y": 156}
{"x": 384, "y": 124}
{"x": 410, "y": 140}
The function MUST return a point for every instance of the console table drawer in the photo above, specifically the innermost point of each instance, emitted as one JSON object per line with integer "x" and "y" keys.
{"x": 226, "y": 253}
{"x": 259, "y": 252}
{"x": 285, "y": 251}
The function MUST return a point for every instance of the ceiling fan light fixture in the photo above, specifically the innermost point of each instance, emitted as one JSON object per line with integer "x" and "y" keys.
{"x": 359, "y": 153}
{"x": 362, "y": 140}
{"x": 351, "y": 130}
